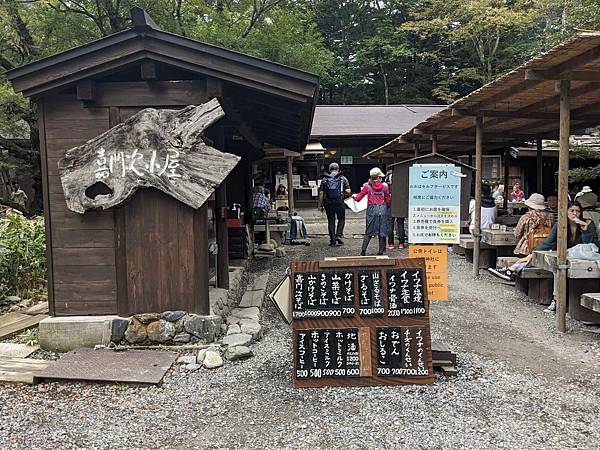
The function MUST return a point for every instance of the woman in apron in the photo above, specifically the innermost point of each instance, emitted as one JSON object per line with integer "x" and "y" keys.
{"x": 377, "y": 210}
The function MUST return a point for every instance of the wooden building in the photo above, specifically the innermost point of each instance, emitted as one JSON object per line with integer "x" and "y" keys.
{"x": 152, "y": 254}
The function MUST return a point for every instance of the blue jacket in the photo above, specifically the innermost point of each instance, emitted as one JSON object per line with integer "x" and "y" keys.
{"x": 589, "y": 236}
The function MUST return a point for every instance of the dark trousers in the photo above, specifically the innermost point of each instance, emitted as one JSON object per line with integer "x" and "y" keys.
{"x": 367, "y": 239}
{"x": 399, "y": 228}
{"x": 333, "y": 211}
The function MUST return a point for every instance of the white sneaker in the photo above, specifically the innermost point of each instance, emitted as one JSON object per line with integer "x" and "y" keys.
{"x": 551, "y": 308}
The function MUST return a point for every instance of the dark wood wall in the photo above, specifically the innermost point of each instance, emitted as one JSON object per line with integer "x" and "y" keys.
{"x": 146, "y": 256}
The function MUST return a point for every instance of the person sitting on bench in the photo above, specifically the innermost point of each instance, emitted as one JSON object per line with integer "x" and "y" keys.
{"x": 533, "y": 227}
{"x": 488, "y": 209}
{"x": 578, "y": 232}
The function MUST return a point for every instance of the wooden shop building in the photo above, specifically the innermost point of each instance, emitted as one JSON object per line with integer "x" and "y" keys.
{"x": 153, "y": 253}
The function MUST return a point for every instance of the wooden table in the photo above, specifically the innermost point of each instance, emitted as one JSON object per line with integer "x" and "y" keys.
{"x": 583, "y": 277}
{"x": 499, "y": 238}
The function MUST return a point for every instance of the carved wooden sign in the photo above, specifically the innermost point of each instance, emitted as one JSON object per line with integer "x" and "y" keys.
{"x": 163, "y": 149}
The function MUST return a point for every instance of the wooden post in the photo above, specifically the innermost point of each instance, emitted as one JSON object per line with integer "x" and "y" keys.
{"x": 563, "y": 188}
{"x": 416, "y": 146}
{"x": 540, "y": 166}
{"x": 506, "y": 171}
{"x": 221, "y": 222}
{"x": 477, "y": 228}
{"x": 434, "y": 144}
{"x": 290, "y": 178}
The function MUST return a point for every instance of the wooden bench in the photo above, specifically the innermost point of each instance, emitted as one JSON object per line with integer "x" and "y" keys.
{"x": 503, "y": 241}
{"x": 487, "y": 253}
{"x": 536, "y": 283}
{"x": 591, "y": 301}
{"x": 582, "y": 276}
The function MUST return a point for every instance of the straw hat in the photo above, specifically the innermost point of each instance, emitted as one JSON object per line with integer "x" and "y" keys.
{"x": 535, "y": 201}
{"x": 376, "y": 171}
{"x": 587, "y": 200}
{"x": 586, "y": 189}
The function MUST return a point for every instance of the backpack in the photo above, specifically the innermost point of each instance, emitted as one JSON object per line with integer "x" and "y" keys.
{"x": 537, "y": 236}
{"x": 333, "y": 187}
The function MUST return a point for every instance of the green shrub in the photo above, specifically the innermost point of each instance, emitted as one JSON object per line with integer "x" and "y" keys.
{"x": 22, "y": 256}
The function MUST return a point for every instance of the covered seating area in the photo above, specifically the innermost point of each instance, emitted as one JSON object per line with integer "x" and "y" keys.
{"x": 548, "y": 97}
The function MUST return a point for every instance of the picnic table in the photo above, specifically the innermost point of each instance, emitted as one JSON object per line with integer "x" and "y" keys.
{"x": 583, "y": 276}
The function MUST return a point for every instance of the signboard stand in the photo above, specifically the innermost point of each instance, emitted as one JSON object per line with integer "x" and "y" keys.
{"x": 360, "y": 322}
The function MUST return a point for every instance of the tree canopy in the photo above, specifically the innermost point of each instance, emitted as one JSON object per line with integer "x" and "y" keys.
{"x": 366, "y": 51}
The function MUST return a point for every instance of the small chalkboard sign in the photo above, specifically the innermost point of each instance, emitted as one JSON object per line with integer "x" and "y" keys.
{"x": 360, "y": 322}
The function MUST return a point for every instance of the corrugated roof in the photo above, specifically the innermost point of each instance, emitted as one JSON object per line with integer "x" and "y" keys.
{"x": 520, "y": 106}
{"x": 368, "y": 120}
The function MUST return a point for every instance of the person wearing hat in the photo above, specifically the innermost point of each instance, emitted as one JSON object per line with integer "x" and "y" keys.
{"x": 584, "y": 190}
{"x": 332, "y": 190}
{"x": 379, "y": 200}
{"x": 589, "y": 201}
{"x": 536, "y": 222}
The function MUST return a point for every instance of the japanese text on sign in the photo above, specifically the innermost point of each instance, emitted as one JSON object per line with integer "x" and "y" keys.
{"x": 436, "y": 263}
{"x": 133, "y": 162}
{"x": 434, "y": 203}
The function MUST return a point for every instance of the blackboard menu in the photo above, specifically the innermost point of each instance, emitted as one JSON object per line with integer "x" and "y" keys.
{"x": 370, "y": 293}
{"x": 323, "y": 294}
{"x": 322, "y": 353}
{"x": 401, "y": 351}
{"x": 406, "y": 292}
{"x": 360, "y": 322}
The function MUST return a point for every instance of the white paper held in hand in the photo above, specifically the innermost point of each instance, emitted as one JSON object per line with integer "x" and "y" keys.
{"x": 356, "y": 206}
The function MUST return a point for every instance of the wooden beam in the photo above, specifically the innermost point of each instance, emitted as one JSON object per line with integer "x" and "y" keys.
{"x": 434, "y": 144}
{"x": 563, "y": 191}
{"x": 506, "y": 174}
{"x": 540, "y": 166}
{"x": 86, "y": 90}
{"x": 506, "y": 94}
{"x": 240, "y": 124}
{"x": 214, "y": 87}
{"x": 550, "y": 74}
{"x": 151, "y": 93}
{"x": 221, "y": 220}
{"x": 149, "y": 70}
{"x": 477, "y": 228}
{"x": 290, "y": 182}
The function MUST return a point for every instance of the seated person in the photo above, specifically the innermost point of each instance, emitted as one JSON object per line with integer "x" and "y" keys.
{"x": 517, "y": 195}
{"x": 281, "y": 191}
{"x": 588, "y": 202}
{"x": 535, "y": 220}
{"x": 260, "y": 199}
{"x": 579, "y": 231}
{"x": 488, "y": 209}
{"x": 499, "y": 192}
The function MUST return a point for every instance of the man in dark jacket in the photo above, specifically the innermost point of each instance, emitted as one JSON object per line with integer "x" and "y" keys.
{"x": 334, "y": 187}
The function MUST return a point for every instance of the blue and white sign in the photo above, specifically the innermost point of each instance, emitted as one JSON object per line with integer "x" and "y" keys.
{"x": 434, "y": 204}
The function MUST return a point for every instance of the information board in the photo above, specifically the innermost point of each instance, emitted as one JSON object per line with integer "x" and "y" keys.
{"x": 434, "y": 204}
{"x": 436, "y": 260}
{"x": 360, "y": 322}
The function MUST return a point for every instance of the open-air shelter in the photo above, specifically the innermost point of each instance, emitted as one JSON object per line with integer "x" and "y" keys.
{"x": 546, "y": 98}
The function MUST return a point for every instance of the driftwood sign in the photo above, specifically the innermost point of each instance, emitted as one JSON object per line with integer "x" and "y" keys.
{"x": 163, "y": 149}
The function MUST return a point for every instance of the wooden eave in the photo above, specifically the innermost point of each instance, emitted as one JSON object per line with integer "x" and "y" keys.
{"x": 518, "y": 107}
{"x": 288, "y": 94}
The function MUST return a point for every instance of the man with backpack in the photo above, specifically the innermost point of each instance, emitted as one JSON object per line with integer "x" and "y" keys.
{"x": 334, "y": 187}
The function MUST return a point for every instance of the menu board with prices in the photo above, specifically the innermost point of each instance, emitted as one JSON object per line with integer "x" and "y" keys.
{"x": 361, "y": 322}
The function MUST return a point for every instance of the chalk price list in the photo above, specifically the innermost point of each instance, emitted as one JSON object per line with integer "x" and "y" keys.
{"x": 323, "y": 295}
{"x": 401, "y": 351}
{"x": 327, "y": 353}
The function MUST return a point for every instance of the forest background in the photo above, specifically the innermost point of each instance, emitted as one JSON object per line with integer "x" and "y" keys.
{"x": 366, "y": 52}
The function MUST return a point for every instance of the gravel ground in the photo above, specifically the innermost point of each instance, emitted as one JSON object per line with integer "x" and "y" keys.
{"x": 520, "y": 385}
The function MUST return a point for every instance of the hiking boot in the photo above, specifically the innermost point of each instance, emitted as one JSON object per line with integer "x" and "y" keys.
{"x": 503, "y": 272}
{"x": 339, "y": 241}
{"x": 551, "y": 308}
{"x": 362, "y": 253}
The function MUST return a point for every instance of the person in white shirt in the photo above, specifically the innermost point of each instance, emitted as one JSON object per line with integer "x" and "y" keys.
{"x": 488, "y": 209}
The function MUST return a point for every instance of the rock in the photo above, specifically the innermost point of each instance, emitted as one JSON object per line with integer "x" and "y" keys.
{"x": 172, "y": 316}
{"x": 179, "y": 325}
{"x": 233, "y": 340}
{"x": 136, "y": 331}
{"x": 203, "y": 327}
{"x": 260, "y": 283}
{"x": 212, "y": 360}
{"x": 192, "y": 367}
{"x": 118, "y": 327}
{"x": 247, "y": 313}
{"x": 233, "y": 329}
{"x": 280, "y": 252}
{"x": 12, "y": 299}
{"x": 27, "y": 303}
{"x": 14, "y": 308}
{"x": 232, "y": 320}
{"x": 186, "y": 359}
{"x": 146, "y": 318}
{"x": 160, "y": 331}
{"x": 182, "y": 338}
{"x": 201, "y": 356}
{"x": 252, "y": 328}
{"x": 238, "y": 352}
{"x": 223, "y": 329}
{"x": 252, "y": 298}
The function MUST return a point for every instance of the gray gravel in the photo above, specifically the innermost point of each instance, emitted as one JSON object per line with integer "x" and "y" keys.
{"x": 509, "y": 392}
